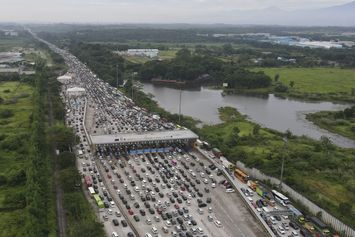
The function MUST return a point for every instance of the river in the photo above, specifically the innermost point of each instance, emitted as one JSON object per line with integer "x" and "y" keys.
{"x": 272, "y": 112}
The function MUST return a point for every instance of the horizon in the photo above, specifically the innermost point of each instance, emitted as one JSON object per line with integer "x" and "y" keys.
{"x": 202, "y": 12}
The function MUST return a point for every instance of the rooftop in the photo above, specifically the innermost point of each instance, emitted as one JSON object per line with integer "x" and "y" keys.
{"x": 143, "y": 137}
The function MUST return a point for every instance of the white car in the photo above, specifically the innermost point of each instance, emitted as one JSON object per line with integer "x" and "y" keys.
{"x": 230, "y": 190}
{"x": 168, "y": 223}
{"x": 218, "y": 223}
{"x": 148, "y": 221}
{"x": 213, "y": 185}
{"x": 154, "y": 230}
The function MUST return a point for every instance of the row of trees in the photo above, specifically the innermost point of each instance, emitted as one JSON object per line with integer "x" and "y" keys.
{"x": 38, "y": 186}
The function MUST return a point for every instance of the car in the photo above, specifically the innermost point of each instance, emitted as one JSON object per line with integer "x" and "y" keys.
{"x": 176, "y": 206}
{"x": 114, "y": 234}
{"x": 151, "y": 211}
{"x": 200, "y": 211}
{"x": 209, "y": 200}
{"x": 154, "y": 230}
{"x": 210, "y": 218}
{"x": 218, "y": 223}
{"x": 157, "y": 218}
{"x": 142, "y": 212}
{"x": 115, "y": 222}
{"x": 118, "y": 214}
{"x": 124, "y": 223}
{"x": 136, "y": 218}
{"x": 148, "y": 221}
{"x": 230, "y": 190}
{"x": 136, "y": 205}
{"x": 281, "y": 230}
{"x": 294, "y": 225}
{"x": 168, "y": 223}
{"x": 130, "y": 234}
{"x": 130, "y": 211}
{"x": 165, "y": 230}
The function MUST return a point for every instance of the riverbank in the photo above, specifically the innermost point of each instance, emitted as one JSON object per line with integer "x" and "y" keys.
{"x": 311, "y": 167}
{"x": 335, "y": 122}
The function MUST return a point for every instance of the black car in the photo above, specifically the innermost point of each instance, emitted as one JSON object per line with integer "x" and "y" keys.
{"x": 207, "y": 190}
{"x": 115, "y": 222}
{"x": 124, "y": 223}
{"x": 163, "y": 216}
{"x": 136, "y": 205}
{"x": 130, "y": 234}
{"x": 294, "y": 225}
{"x": 278, "y": 218}
{"x": 106, "y": 205}
{"x": 193, "y": 222}
{"x": 172, "y": 200}
{"x": 199, "y": 194}
{"x": 179, "y": 200}
{"x": 136, "y": 218}
{"x": 147, "y": 205}
{"x": 142, "y": 212}
{"x": 183, "y": 227}
{"x": 169, "y": 215}
{"x": 128, "y": 206}
{"x": 151, "y": 211}
{"x": 209, "y": 200}
{"x": 180, "y": 220}
{"x": 161, "y": 195}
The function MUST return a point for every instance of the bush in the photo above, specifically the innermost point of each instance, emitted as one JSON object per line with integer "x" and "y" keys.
{"x": 6, "y": 113}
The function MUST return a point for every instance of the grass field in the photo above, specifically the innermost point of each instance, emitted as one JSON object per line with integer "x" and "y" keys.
{"x": 315, "y": 80}
{"x": 13, "y": 129}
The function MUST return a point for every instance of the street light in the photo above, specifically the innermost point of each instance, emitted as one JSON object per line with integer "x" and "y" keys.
{"x": 283, "y": 161}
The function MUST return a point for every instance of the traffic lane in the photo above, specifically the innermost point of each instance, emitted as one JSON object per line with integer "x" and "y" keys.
{"x": 141, "y": 224}
{"x": 109, "y": 227}
{"x": 131, "y": 222}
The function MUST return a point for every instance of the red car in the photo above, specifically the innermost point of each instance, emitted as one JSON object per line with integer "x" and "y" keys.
{"x": 176, "y": 206}
{"x": 109, "y": 176}
{"x": 130, "y": 212}
{"x": 254, "y": 205}
{"x": 183, "y": 189}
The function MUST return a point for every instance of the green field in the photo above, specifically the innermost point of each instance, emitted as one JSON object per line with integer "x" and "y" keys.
{"x": 14, "y": 149}
{"x": 315, "y": 80}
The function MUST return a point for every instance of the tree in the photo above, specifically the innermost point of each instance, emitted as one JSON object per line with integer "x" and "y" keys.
{"x": 345, "y": 208}
{"x": 277, "y": 77}
{"x": 292, "y": 83}
{"x": 66, "y": 159}
{"x": 256, "y": 129}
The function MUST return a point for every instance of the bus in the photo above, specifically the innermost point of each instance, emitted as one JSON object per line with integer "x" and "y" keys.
{"x": 241, "y": 175}
{"x": 279, "y": 197}
{"x": 98, "y": 200}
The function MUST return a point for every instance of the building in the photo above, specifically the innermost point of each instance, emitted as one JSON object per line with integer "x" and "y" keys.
{"x": 151, "y": 53}
{"x": 64, "y": 79}
{"x": 76, "y": 91}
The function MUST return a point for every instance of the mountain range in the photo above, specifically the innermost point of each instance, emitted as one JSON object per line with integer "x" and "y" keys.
{"x": 340, "y": 15}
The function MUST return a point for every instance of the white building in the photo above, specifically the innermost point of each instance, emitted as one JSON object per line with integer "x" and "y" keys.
{"x": 151, "y": 53}
{"x": 64, "y": 78}
{"x": 76, "y": 91}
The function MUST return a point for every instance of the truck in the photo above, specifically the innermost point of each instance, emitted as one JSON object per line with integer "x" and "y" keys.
{"x": 260, "y": 191}
{"x": 217, "y": 152}
{"x": 251, "y": 184}
{"x": 88, "y": 181}
{"x": 241, "y": 175}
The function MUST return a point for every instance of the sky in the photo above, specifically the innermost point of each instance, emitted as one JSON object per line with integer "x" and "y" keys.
{"x": 141, "y": 11}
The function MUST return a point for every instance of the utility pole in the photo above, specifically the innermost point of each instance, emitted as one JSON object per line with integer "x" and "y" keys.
{"x": 117, "y": 76}
{"x": 283, "y": 162}
{"x": 180, "y": 105}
